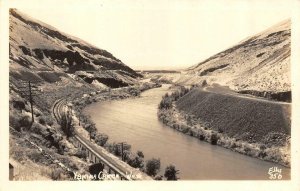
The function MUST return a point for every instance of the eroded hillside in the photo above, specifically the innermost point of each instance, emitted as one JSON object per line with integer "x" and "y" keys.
{"x": 260, "y": 62}
{"x": 43, "y": 53}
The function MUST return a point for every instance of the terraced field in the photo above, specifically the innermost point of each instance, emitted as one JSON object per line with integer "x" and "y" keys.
{"x": 252, "y": 120}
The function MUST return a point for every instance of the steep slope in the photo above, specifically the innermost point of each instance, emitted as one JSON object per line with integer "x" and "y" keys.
{"x": 261, "y": 62}
{"x": 59, "y": 68}
{"x": 42, "y": 52}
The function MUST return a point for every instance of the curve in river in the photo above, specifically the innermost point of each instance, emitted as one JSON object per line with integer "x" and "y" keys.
{"x": 135, "y": 121}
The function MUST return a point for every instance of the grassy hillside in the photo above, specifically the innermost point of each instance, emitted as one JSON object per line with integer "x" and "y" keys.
{"x": 246, "y": 119}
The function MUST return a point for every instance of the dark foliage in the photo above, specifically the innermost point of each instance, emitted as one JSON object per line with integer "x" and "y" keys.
{"x": 166, "y": 102}
{"x": 152, "y": 166}
{"x": 81, "y": 154}
{"x": 214, "y": 139}
{"x": 171, "y": 173}
{"x": 95, "y": 169}
{"x": 67, "y": 125}
{"x": 136, "y": 161}
{"x": 101, "y": 139}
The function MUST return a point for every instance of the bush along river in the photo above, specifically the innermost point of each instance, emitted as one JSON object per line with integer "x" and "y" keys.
{"x": 135, "y": 121}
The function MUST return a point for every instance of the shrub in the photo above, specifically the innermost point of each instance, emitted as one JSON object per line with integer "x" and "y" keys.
{"x": 175, "y": 126}
{"x": 112, "y": 147}
{"x": 56, "y": 174}
{"x": 46, "y": 120}
{"x": 191, "y": 133}
{"x": 262, "y": 147}
{"x": 14, "y": 119}
{"x": 37, "y": 128}
{"x": 42, "y": 120}
{"x": 140, "y": 154}
{"x": 185, "y": 129}
{"x": 136, "y": 161}
{"x": 90, "y": 127}
{"x": 201, "y": 137}
{"x": 25, "y": 122}
{"x": 213, "y": 139}
{"x": 204, "y": 83}
{"x": 165, "y": 103}
{"x": 95, "y": 169}
{"x": 152, "y": 166}
{"x": 37, "y": 112}
{"x": 50, "y": 121}
{"x": 233, "y": 146}
{"x": 116, "y": 148}
{"x": 220, "y": 130}
{"x": 158, "y": 177}
{"x": 81, "y": 154}
{"x": 101, "y": 139}
{"x": 35, "y": 156}
{"x": 171, "y": 173}
{"x": 247, "y": 150}
{"x": 67, "y": 125}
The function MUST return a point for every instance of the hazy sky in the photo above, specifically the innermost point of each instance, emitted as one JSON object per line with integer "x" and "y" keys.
{"x": 159, "y": 34}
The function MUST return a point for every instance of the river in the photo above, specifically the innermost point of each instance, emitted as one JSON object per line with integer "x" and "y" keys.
{"x": 135, "y": 121}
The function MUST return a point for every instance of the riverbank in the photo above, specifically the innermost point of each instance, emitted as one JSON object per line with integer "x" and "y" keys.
{"x": 111, "y": 94}
{"x": 135, "y": 161}
{"x": 191, "y": 125}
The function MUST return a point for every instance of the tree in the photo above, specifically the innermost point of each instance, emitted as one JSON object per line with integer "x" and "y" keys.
{"x": 171, "y": 173}
{"x": 214, "y": 139}
{"x": 100, "y": 138}
{"x": 67, "y": 124}
{"x": 140, "y": 154}
{"x": 152, "y": 166}
{"x": 135, "y": 161}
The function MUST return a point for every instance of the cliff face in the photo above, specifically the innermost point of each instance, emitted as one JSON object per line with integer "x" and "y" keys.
{"x": 35, "y": 48}
{"x": 261, "y": 62}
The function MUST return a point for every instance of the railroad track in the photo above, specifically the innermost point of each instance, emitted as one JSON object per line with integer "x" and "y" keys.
{"x": 58, "y": 109}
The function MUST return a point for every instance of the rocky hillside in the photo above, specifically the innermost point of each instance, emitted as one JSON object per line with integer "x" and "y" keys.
{"x": 59, "y": 67}
{"x": 39, "y": 52}
{"x": 261, "y": 62}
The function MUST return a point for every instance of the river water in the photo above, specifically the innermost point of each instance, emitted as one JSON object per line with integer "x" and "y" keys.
{"x": 135, "y": 121}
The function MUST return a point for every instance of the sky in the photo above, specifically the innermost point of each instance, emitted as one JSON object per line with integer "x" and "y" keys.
{"x": 161, "y": 34}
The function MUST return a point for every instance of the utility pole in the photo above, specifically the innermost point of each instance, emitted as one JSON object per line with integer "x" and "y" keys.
{"x": 122, "y": 150}
{"x": 28, "y": 91}
{"x": 31, "y": 101}
{"x": 90, "y": 134}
